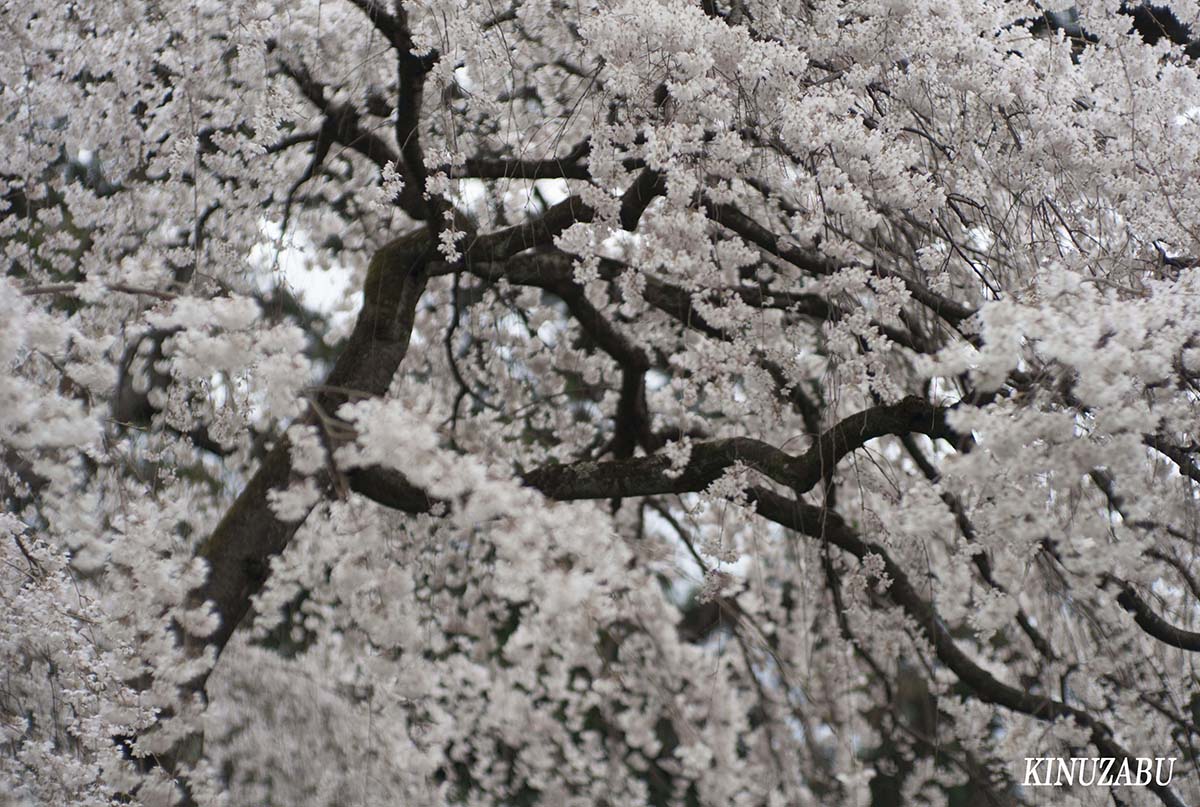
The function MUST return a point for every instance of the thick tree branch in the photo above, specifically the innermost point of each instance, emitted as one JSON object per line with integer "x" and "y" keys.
{"x": 411, "y": 73}
{"x": 498, "y": 246}
{"x": 239, "y": 550}
{"x": 654, "y": 474}
{"x": 1154, "y": 624}
{"x": 1183, "y": 458}
{"x": 395, "y": 31}
{"x": 343, "y": 125}
{"x": 343, "y": 122}
{"x": 649, "y": 185}
{"x": 499, "y": 168}
{"x": 632, "y": 426}
{"x": 391, "y": 489}
{"x": 646, "y": 476}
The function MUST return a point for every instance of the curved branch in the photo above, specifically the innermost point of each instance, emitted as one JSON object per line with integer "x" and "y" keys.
{"x": 1155, "y": 625}
{"x": 648, "y": 185}
{"x": 395, "y": 31}
{"x": 343, "y": 122}
{"x": 1182, "y": 458}
{"x": 654, "y": 474}
{"x": 644, "y": 476}
{"x": 502, "y": 244}
{"x": 1143, "y": 614}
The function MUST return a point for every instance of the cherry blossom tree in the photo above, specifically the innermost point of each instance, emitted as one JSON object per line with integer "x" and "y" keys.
{"x": 748, "y": 402}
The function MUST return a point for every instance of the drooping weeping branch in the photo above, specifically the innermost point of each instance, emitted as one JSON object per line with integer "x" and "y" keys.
{"x": 651, "y": 475}
{"x": 825, "y": 525}
{"x": 952, "y": 312}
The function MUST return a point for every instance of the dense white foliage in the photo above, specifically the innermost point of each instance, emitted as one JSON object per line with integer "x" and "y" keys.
{"x": 734, "y": 403}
